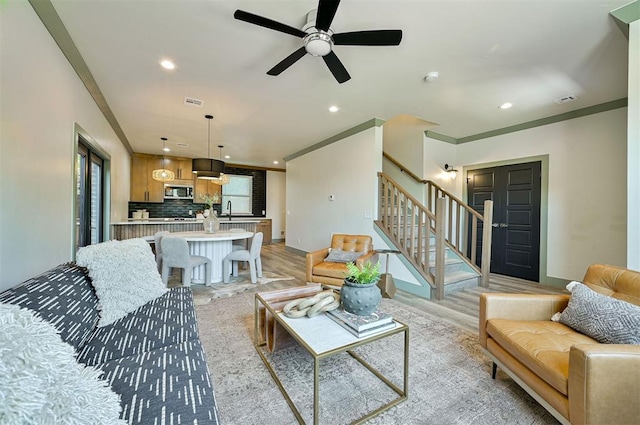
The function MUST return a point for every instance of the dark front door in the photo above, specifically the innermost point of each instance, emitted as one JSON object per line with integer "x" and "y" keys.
{"x": 515, "y": 191}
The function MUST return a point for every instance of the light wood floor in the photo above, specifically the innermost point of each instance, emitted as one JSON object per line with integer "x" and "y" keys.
{"x": 461, "y": 308}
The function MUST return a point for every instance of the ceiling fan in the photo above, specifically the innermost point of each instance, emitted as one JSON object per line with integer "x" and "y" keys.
{"x": 319, "y": 39}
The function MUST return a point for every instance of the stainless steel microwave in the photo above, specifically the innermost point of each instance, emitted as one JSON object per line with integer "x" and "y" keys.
{"x": 177, "y": 191}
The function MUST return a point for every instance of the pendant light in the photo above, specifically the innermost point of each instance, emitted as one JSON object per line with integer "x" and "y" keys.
{"x": 162, "y": 174}
{"x": 207, "y": 168}
{"x": 224, "y": 178}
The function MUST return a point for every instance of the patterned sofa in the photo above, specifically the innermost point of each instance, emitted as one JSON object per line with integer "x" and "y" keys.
{"x": 152, "y": 358}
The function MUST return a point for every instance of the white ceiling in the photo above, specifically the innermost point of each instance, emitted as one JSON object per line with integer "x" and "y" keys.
{"x": 527, "y": 52}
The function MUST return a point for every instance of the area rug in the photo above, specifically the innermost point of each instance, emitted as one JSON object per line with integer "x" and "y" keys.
{"x": 449, "y": 377}
{"x": 204, "y": 294}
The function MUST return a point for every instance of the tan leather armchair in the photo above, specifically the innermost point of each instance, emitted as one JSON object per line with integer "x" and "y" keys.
{"x": 330, "y": 273}
{"x": 576, "y": 378}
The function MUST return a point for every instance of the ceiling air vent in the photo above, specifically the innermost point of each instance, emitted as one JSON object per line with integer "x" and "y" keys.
{"x": 565, "y": 99}
{"x": 193, "y": 102}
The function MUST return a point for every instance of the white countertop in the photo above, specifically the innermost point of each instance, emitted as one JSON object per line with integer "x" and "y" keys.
{"x": 224, "y": 235}
{"x": 174, "y": 221}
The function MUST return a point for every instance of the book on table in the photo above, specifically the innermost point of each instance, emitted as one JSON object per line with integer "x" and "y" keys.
{"x": 366, "y": 332}
{"x": 359, "y": 325}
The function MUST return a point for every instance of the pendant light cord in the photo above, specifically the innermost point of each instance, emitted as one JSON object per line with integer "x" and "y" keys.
{"x": 209, "y": 137}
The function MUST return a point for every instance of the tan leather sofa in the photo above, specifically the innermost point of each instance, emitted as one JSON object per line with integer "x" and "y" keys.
{"x": 576, "y": 378}
{"x": 330, "y": 273}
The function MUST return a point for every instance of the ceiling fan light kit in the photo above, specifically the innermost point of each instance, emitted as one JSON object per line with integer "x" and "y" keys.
{"x": 318, "y": 40}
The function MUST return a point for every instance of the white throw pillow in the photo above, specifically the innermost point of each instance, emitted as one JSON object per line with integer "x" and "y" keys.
{"x": 124, "y": 274}
{"x": 40, "y": 380}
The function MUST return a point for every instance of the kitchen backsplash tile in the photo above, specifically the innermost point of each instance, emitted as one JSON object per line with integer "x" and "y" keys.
{"x": 169, "y": 208}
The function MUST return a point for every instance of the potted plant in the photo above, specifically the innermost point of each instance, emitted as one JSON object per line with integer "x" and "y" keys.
{"x": 360, "y": 294}
{"x": 209, "y": 201}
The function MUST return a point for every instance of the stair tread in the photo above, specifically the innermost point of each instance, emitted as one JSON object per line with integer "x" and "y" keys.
{"x": 459, "y": 275}
{"x": 447, "y": 261}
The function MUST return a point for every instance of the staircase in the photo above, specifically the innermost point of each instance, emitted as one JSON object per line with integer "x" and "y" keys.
{"x": 439, "y": 240}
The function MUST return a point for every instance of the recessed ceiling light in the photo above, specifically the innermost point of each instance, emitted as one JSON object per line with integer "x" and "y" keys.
{"x": 333, "y": 108}
{"x": 167, "y": 64}
{"x": 505, "y": 105}
{"x": 276, "y": 162}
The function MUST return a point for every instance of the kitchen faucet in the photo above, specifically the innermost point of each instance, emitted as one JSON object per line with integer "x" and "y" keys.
{"x": 229, "y": 207}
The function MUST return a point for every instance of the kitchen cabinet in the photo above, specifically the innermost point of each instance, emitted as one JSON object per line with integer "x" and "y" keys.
{"x": 143, "y": 187}
{"x": 181, "y": 167}
{"x": 205, "y": 187}
{"x": 264, "y": 226}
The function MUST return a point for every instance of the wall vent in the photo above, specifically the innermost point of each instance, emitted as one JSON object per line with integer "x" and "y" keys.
{"x": 565, "y": 99}
{"x": 193, "y": 102}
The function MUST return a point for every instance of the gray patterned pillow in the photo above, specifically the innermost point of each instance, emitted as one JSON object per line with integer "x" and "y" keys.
{"x": 603, "y": 318}
{"x": 339, "y": 256}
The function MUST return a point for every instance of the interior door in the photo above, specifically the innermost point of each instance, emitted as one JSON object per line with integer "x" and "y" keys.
{"x": 515, "y": 191}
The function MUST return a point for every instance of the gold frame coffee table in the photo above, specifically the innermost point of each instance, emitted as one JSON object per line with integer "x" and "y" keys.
{"x": 321, "y": 337}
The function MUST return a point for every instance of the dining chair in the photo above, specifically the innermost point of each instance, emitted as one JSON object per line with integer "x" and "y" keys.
{"x": 158, "y": 247}
{"x": 251, "y": 255}
{"x": 175, "y": 254}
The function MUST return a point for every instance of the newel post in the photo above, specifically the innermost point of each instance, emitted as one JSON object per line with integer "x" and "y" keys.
{"x": 440, "y": 229}
{"x": 487, "y": 227}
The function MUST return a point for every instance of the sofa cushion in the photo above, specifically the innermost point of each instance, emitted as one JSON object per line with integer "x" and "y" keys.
{"x": 339, "y": 256}
{"x": 541, "y": 346}
{"x": 601, "y": 317}
{"x": 329, "y": 269}
{"x": 169, "y": 385}
{"x": 125, "y": 275}
{"x": 167, "y": 320}
{"x": 64, "y": 297}
{"x": 40, "y": 380}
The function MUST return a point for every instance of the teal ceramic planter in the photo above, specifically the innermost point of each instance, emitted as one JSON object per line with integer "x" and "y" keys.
{"x": 360, "y": 299}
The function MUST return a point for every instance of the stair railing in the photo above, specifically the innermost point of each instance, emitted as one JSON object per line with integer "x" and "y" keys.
{"x": 408, "y": 223}
{"x": 463, "y": 223}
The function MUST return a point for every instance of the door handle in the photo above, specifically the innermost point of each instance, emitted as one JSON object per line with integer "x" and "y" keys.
{"x": 494, "y": 225}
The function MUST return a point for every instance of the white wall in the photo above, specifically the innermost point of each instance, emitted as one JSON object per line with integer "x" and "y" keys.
{"x": 436, "y": 155}
{"x": 403, "y": 140}
{"x": 276, "y": 202}
{"x": 42, "y": 98}
{"x": 587, "y": 186}
{"x": 346, "y": 169}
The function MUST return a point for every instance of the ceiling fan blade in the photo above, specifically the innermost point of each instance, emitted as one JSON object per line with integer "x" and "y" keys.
{"x": 268, "y": 23}
{"x": 368, "y": 38}
{"x": 337, "y": 69}
{"x": 326, "y": 12}
{"x": 288, "y": 61}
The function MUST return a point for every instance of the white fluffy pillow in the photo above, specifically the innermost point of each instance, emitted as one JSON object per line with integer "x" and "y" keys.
{"x": 124, "y": 274}
{"x": 40, "y": 380}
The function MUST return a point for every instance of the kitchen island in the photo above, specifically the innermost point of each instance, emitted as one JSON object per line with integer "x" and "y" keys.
{"x": 214, "y": 246}
{"x": 147, "y": 228}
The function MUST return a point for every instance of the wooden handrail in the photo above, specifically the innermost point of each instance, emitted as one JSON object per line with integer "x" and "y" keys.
{"x": 403, "y": 168}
